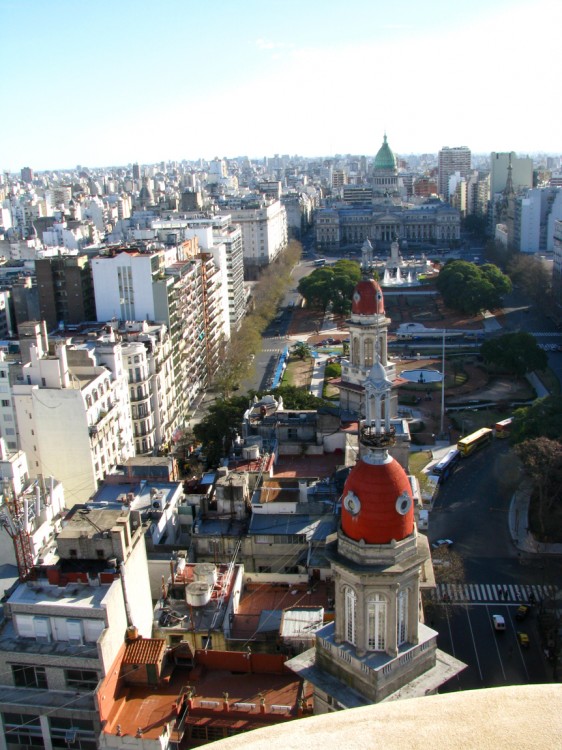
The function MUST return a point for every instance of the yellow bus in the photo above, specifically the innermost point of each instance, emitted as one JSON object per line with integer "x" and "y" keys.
{"x": 503, "y": 429}
{"x": 473, "y": 442}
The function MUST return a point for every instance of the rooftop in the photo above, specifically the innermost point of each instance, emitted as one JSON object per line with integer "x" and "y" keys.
{"x": 229, "y": 690}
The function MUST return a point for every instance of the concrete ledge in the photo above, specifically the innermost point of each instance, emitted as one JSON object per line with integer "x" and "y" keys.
{"x": 523, "y": 717}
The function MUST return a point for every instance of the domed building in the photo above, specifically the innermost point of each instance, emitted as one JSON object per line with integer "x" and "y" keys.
{"x": 385, "y": 171}
{"x": 377, "y": 648}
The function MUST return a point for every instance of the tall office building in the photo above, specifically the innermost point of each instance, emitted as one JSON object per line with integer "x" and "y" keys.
{"x": 451, "y": 160}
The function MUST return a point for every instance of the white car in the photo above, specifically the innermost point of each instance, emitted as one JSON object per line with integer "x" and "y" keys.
{"x": 498, "y": 622}
{"x": 442, "y": 543}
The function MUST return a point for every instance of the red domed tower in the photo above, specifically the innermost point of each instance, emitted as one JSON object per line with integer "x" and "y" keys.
{"x": 368, "y": 337}
{"x": 377, "y": 644}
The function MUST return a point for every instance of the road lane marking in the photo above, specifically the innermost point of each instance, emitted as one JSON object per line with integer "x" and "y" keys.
{"x": 474, "y": 644}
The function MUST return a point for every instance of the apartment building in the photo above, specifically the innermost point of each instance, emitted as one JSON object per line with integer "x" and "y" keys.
{"x": 450, "y": 161}
{"x": 65, "y": 290}
{"x": 63, "y": 629}
{"x": 264, "y": 234}
{"x": 69, "y": 419}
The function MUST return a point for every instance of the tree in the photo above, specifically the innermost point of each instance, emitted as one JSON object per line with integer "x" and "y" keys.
{"x": 531, "y": 275}
{"x": 301, "y": 350}
{"x": 542, "y": 459}
{"x": 471, "y": 288}
{"x": 220, "y": 426}
{"x": 331, "y": 285}
{"x": 517, "y": 353}
{"x": 543, "y": 418}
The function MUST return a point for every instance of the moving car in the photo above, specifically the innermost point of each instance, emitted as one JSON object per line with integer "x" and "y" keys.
{"x": 522, "y": 612}
{"x": 498, "y": 621}
{"x": 442, "y": 543}
{"x": 523, "y": 639}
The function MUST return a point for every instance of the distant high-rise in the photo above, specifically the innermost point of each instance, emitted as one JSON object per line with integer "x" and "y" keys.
{"x": 521, "y": 171}
{"x": 451, "y": 160}
{"x": 136, "y": 172}
{"x": 26, "y": 174}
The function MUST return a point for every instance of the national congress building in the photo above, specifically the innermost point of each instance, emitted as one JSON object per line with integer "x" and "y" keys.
{"x": 346, "y": 225}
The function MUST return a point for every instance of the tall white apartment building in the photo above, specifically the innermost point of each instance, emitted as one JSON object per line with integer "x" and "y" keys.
{"x": 264, "y": 235}
{"x": 180, "y": 287}
{"x": 534, "y": 215}
{"x": 223, "y": 239}
{"x": 69, "y": 419}
{"x": 451, "y": 160}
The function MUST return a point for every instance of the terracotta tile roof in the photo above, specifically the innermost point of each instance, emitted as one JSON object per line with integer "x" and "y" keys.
{"x": 144, "y": 651}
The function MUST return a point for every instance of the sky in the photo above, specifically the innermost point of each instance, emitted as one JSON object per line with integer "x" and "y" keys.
{"x": 114, "y": 82}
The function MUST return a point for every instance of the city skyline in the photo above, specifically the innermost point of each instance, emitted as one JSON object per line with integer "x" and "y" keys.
{"x": 145, "y": 82}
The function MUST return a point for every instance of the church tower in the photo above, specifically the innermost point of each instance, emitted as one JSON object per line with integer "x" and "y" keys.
{"x": 377, "y": 646}
{"x": 368, "y": 336}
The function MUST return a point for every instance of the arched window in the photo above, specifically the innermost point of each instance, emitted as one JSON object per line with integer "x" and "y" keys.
{"x": 368, "y": 352}
{"x": 355, "y": 346}
{"x": 376, "y": 623}
{"x": 402, "y": 617}
{"x": 350, "y": 598}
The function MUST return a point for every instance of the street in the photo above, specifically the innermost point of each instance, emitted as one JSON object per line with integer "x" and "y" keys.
{"x": 472, "y": 510}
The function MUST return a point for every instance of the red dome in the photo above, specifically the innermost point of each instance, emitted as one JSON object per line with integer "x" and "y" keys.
{"x": 377, "y": 503}
{"x": 367, "y": 298}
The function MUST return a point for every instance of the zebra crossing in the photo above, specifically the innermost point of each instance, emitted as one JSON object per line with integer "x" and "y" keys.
{"x": 492, "y": 593}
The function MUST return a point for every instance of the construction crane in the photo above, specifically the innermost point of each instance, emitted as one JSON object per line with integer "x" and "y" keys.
{"x": 14, "y": 518}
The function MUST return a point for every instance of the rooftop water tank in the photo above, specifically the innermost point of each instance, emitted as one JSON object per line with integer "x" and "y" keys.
{"x": 205, "y": 572}
{"x": 251, "y": 452}
{"x": 198, "y": 594}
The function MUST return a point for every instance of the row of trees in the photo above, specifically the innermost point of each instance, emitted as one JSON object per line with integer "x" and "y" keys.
{"x": 267, "y": 293}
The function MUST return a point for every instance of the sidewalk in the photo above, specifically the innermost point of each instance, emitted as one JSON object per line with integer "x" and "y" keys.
{"x": 518, "y": 524}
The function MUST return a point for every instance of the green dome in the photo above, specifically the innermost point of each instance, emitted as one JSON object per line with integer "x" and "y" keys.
{"x": 385, "y": 159}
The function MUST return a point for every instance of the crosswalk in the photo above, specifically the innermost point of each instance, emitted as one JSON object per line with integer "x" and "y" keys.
{"x": 495, "y": 593}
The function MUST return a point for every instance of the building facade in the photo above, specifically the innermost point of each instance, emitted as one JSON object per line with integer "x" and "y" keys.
{"x": 450, "y": 161}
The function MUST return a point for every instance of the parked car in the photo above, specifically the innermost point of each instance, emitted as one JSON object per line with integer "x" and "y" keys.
{"x": 498, "y": 621}
{"x": 442, "y": 543}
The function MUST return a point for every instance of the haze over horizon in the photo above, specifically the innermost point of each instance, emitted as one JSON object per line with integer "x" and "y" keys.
{"x": 117, "y": 83}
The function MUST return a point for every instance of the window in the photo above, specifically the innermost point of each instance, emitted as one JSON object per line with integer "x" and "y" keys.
{"x": 81, "y": 679}
{"x": 75, "y": 733}
{"x": 350, "y": 599}
{"x": 22, "y": 730}
{"x": 402, "y": 617}
{"x": 29, "y": 676}
{"x": 376, "y": 623}
{"x": 5, "y": 402}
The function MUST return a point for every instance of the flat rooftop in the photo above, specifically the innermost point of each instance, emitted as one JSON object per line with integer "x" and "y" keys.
{"x": 308, "y": 466}
{"x": 74, "y": 595}
{"x": 151, "y": 710}
{"x": 279, "y": 597}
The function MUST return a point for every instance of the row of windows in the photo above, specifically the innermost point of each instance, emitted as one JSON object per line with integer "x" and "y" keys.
{"x": 24, "y": 730}
{"x": 29, "y": 676}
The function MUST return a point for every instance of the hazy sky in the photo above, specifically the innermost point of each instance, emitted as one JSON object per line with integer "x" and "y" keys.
{"x": 113, "y": 82}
